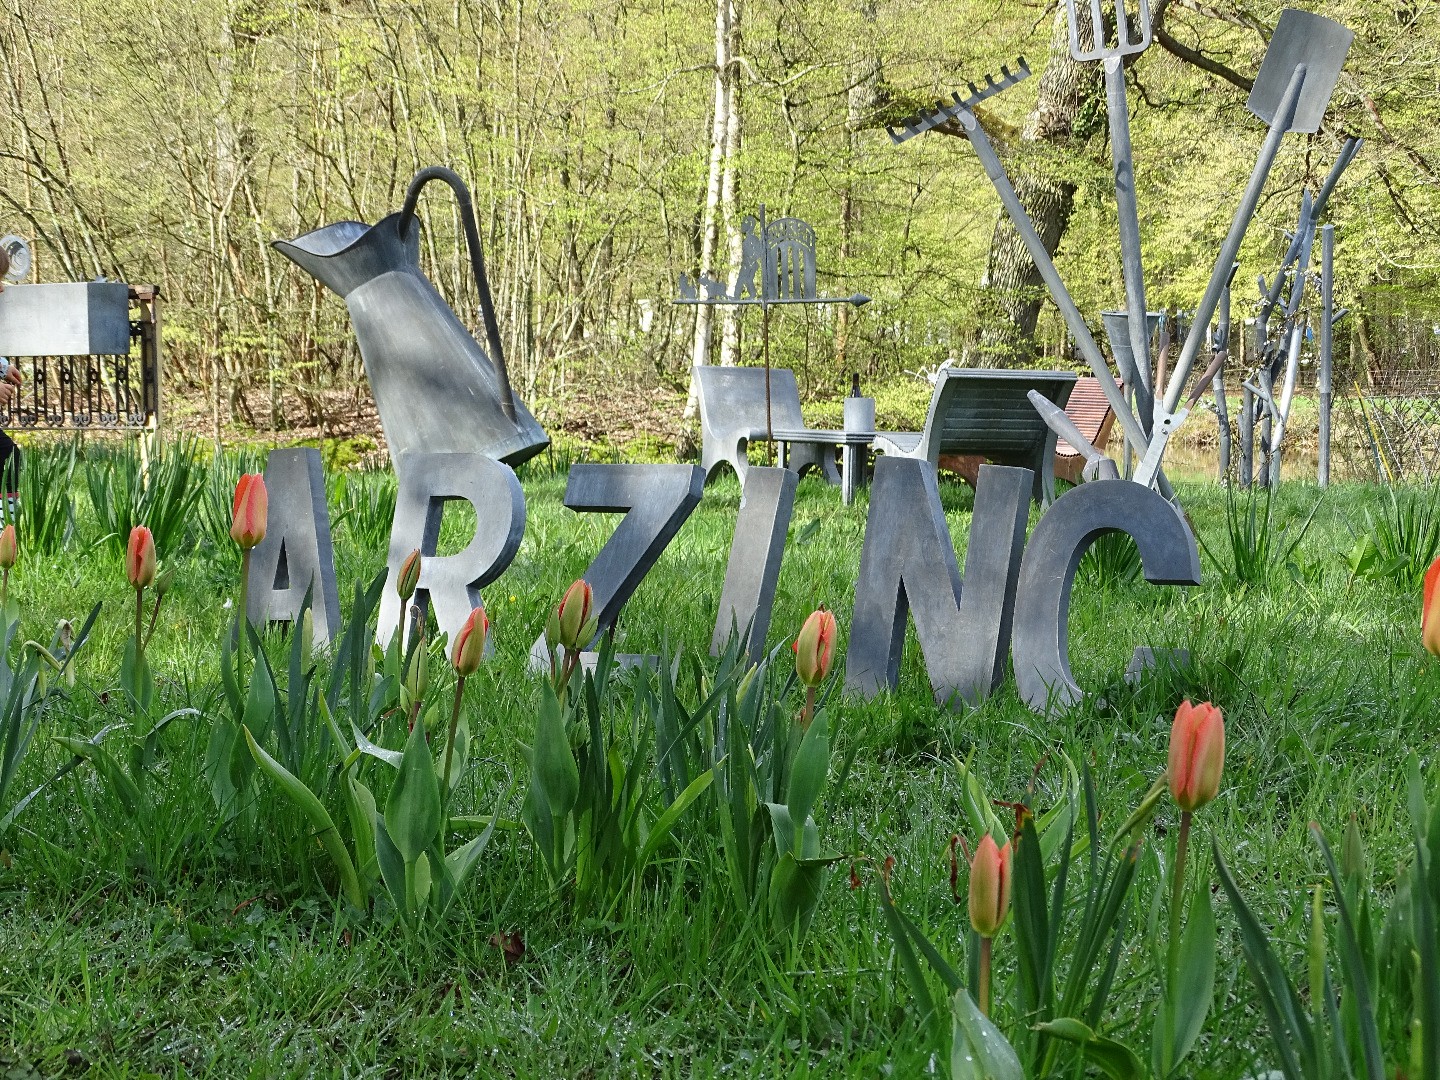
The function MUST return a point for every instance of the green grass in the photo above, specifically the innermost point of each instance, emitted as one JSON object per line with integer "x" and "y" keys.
{"x": 192, "y": 947}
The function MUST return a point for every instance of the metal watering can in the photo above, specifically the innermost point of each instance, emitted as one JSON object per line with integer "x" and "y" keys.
{"x": 436, "y": 388}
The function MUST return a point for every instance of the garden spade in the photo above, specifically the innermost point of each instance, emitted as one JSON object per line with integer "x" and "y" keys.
{"x": 1130, "y": 39}
{"x": 1298, "y": 75}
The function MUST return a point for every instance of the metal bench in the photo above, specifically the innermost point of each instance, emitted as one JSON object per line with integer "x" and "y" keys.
{"x": 732, "y": 415}
{"x": 986, "y": 413}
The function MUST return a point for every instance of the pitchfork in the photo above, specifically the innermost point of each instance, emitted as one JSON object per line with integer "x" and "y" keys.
{"x": 1128, "y": 42}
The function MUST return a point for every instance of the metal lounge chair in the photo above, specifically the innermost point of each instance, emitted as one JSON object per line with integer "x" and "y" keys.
{"x": 732, "y": 415}
{"x": 986, "y": 413}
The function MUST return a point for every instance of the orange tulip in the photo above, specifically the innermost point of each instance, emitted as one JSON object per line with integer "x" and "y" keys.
{"x": 989, "y": 887}
{"x": 815, "y": 647}
{"x": 409, "y": 575}
{"x": 140, "y": 557}
{"x": 247, "y": 526}
{"x": 573, "y": 618}
{"x": 469, "y": 647}
{"x": 1430, "y": 609}
{"x": 1197, "y": 754}
{"x": 9, "y": 548}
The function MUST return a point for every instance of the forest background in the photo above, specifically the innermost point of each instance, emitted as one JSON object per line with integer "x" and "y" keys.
{"x": 614, "y": 144}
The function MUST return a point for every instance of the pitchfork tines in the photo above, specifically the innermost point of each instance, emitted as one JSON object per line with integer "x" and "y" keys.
{"x": 1130, "y": 36}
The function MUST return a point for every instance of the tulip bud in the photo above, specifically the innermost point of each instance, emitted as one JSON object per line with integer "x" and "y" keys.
{"x": 1197, "y": 754}
{"x": 9, "y": 548}
{"x": 1430, "y": 609}
{"x": 140, "y": 558}
{"x": 417, "y": 676}
{"x": 164, "y": 578}
{"x": 469, "y": 647}
{"x": 989, "y": 887}
{"x": 248, "y": 514}
{"x": 815, "y": 647}
{"x": 573, "y": 624}
{"x": 409, "y": 576}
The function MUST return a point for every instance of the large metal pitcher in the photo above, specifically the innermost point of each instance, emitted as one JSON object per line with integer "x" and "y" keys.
{"x": 437, "y": 389}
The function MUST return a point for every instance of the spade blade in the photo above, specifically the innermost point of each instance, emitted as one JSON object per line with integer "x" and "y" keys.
{"x": 1301, "y": 37}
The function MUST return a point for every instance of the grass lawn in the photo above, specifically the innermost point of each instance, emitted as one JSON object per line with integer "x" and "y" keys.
{"x": 180, "y": 943}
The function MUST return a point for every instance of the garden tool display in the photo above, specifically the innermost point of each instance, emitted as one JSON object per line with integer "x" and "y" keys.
{"x": 436, "y": 388}
{"x": 1301, "y": 67}
{"x": 1123, "y": 159}
{"x": 962, "y": 113}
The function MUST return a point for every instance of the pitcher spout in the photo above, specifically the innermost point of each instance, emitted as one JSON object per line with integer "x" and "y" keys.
{"x": 347, "y": 254}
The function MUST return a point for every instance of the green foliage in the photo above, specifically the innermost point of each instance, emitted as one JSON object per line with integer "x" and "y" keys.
{"x": 30, "y": 676}
{"x": 1258, "y": 546}
{"x": 1373, "y": 974}
{"x": 127, "y": 490}
{"x": 47, "y": 506}
{"x": 1401, "y": 542}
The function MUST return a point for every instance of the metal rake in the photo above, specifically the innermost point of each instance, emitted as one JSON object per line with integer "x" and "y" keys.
{"x": 945, "y": 112}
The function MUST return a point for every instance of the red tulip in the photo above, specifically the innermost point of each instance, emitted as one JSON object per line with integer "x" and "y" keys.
{"x": 9, "y": 548}
{"x": 470, "y": 643}
{"x": 140, "y": 557}
{"x": 1197, "y": 754}
{"x": 1429, "y": 609}
{"x": 989, "y": 887}
{"x": 815, "y": 647}
{"x": 573, "y": 621}
{"x": 247, "y": 527}
{"x": 409, "y": 575}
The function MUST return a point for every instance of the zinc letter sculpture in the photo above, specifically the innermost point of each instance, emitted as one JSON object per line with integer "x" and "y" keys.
{"x": 908, "y": 566}
{"x": 451, "y": 583}
{"x": 296, "y": 555}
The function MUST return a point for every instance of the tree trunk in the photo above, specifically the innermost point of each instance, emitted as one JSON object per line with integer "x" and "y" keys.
{"x": 729, "y": 190}
{"x": 1012, "y": 281}
{"x": 710, "y": 222}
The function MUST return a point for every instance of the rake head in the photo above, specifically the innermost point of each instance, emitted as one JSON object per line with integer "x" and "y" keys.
{"x": 1127, "y": 36}
{"x": 947, "y": 111}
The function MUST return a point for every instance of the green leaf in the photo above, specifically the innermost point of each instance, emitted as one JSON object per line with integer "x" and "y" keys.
{"x": 1353, "y": 963}
{"x": 553, "y": 765}
{"x": 413, "y": 812}
{"x": 1111, "y": 1057}
{"x": 462, "y": 860}
{"x": 978, "y": 1050}
{"x": 1291, "y": 1032}
{"x": 1195, "y": 988}
{"x": 807, "y": 776}
{"x": 795, "y": 892}
{"x": 665, "y": 823}
{"x": 318, "y": 817}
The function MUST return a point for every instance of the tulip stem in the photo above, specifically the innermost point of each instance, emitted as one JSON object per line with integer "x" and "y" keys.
{"x": 1177, "y": 889}
{"x": 5, "y": 589}
{"x": 986, "y": 944}
{"x": 450, "y": 739}
{"x": 139, "y": 621}
{"x": 809, "y": 712}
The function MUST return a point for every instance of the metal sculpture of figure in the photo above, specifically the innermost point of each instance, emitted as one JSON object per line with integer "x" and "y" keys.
{"x": 1297, "y": 77}
{"x": 436, "y": 388}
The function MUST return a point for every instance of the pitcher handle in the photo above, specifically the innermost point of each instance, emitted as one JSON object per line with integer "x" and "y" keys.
{"x": 477, "y": 266}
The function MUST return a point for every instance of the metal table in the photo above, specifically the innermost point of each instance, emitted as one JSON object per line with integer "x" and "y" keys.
{"x": 854, "y": 452}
